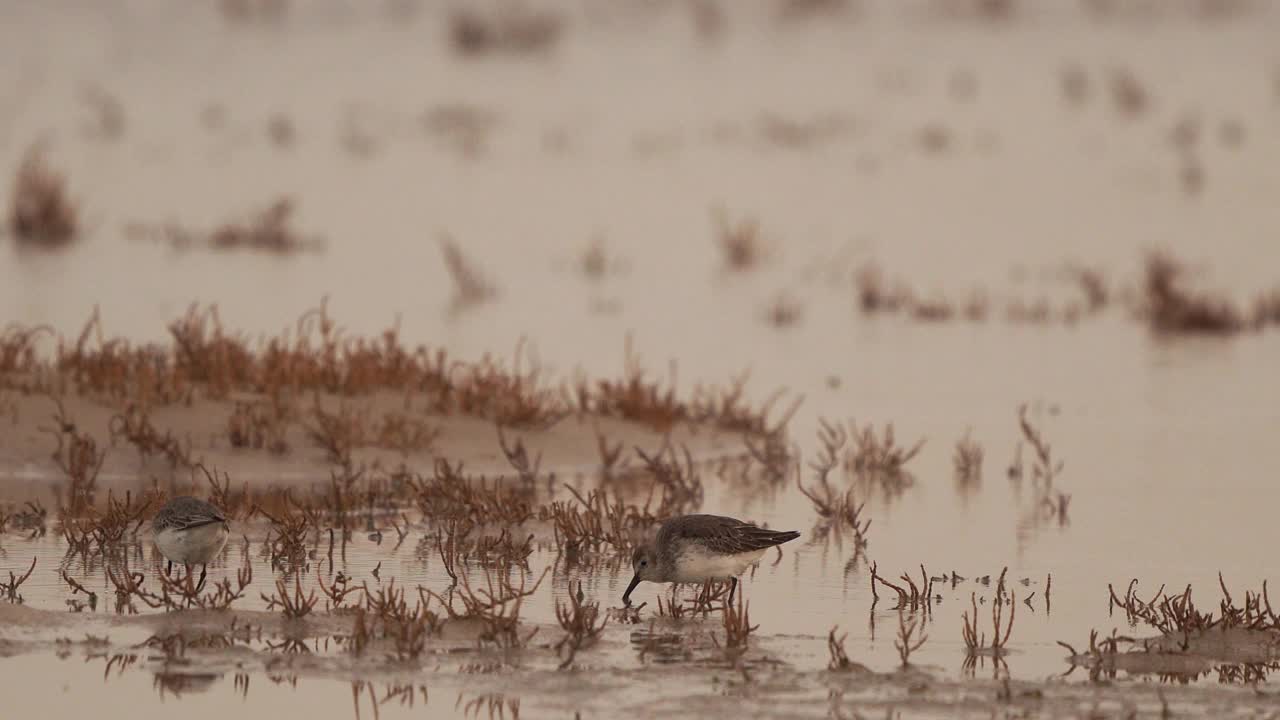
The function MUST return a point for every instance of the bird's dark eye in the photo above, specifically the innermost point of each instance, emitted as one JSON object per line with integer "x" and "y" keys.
{"x": 644, "y": 563}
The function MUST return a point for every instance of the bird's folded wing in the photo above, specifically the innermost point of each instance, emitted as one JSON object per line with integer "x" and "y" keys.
{"x": 726, "y": 535}
{"x": 186, "y": 522}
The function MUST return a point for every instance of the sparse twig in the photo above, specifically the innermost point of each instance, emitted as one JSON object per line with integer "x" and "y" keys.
{"x": 10, "y": 589}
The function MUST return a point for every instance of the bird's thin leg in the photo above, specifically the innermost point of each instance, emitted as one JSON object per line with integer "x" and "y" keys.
{"x": 733, "y": 586}
{"x": 170, "y": 570}
{"x": 200, "y": 585}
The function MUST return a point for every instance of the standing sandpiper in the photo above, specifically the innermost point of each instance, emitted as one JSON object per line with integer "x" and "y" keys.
{"x": 694, "y": 548}
{"x": 191, "y": 532}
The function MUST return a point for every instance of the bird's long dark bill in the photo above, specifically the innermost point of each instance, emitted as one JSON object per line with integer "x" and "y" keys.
{"x": 626, "y": 596}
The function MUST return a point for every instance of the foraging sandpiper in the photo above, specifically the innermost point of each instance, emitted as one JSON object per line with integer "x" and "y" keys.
{"x": 190, "y": 531}
{"x": 694, "y": 548}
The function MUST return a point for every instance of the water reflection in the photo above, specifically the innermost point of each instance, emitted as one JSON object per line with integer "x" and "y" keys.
{"x": 404, "y": 695}
{"x": 1248, "y": 673}
{"x": 494, "y": 706}
{"x": 662, "y": 647}
{"x": 975, "y": 661}
{"x": 178, "y": 683}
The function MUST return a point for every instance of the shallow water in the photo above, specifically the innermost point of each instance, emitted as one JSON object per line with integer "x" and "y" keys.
{"x": 1166, "y": 442}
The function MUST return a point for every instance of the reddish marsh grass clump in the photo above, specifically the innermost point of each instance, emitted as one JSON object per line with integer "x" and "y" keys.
{"x": 515, "y": 397}
{"x": 1170, "y": 307}
{"x": 1045, "y": 468}
{"x": 839, "y": 661}
{"x": 9, "y": 590}
{"x": 456, "y": 548}
{"x": 111, "y": 373}
{"x": 347, "y": 377}
{"x": 508, "y": 28}
{"x": 784, "y": 311}
{"x": 234, "y": 505}
{"x": 772, "y": 453}
{"x": 74, "y": 603}
{"x": 1093, "y": 284}
{"x": 337, "y": 433}
{"x": 794, "y": 10}
{"x": 880, "y": 459}
{"x": 78, "y": 457}
{"x": 736, "y": 620}
{"x": 677, "y": 477}
{"x": 204, "y": 353}
{"x": 286, "y": 541}
{"x": 177, "y": 593}
{"x": 912, "y": 596}
{"x": 91, "y": 532}
{"x": 582, "y": 623}
{"x": 834, "y": 508}
{"x": 631, "y": 397}
{"x": 258, "y": 426}
{"x": 280, "y": 131}
{"x": 596, "y": 261}
{"x": 934, "y": 138}
{"x": 799, "y": 133}
{"x": 134, "y": 425}
{"x": 612, "y": 461}
{"x": 336, "y": 592}
{"x": 1129, "y": 96}
{"x": 268, "y": 230}
{"x": 404, "y": 433}
{"x": 727, "y": 409}
{"x": 31, "y": 517}
{"x": 976, "y": 644}
{"x": 874, "y": 295}
{"x": 635, "y": 397}
{"x": 968, "y": 462}
{"x": 186, "y": 593}
{"x": 40, "y": 212}
{"x": 1236, "y": 642}
{"x": 1266, "y": 309}
{"x": 1049, "y": 501}
{"x": 496, "y": 607}
{"x": 387, "y": 615}
{"x": 936, "y": 309}
{"x": 503, "y": 550}
{"x": 1178, "y": 614}
{"x": 741, "y": 242}
{"x": 518, "y": 457}
{"x": 464, "y": 127}
{"x": 470, "y": 287}
{"x": 593, "y": 522}
{"x": 294, "y": 605}
{"x": 448, "y": 494}
{"x": 18, "y": 352}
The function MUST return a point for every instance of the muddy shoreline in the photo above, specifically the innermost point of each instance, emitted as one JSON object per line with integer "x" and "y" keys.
{"x": 455, "y": 668}
{"x": 980, "y": 298}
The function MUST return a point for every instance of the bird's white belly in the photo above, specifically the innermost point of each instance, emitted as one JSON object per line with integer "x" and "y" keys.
{"x": 194, "y": 546}
{"x": 696, "y": 564}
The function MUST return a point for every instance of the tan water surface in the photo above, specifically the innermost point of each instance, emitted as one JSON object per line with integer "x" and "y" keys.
{"x": 943, "y": 143}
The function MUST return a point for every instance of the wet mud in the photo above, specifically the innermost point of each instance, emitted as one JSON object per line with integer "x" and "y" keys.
{"x": 978, "y": 297}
